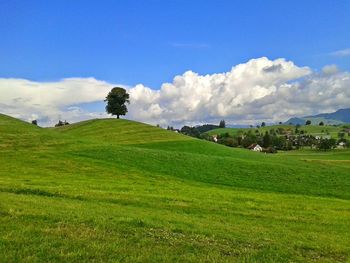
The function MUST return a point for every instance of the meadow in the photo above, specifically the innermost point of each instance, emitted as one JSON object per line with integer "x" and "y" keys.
{"x": 117, "y": 190}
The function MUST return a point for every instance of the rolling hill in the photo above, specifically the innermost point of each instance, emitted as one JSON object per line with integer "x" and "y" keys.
{"x": 118, "y": 190}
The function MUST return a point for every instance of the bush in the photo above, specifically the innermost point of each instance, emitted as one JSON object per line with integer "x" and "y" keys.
{"x": 269, "y": 150}
{"x": 230, "y": 142}
{"x": 326, "y": 144}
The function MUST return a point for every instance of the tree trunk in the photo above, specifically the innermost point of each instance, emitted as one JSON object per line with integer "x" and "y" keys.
{"x": 118, "y": 116}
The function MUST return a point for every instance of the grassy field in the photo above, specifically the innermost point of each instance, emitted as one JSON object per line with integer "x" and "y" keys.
{"x": 117, "y": 190}
{"x": 309, "y": 129}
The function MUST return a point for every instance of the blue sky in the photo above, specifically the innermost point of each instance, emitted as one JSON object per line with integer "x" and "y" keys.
{"x": 196, "y": 61}
{"x": 150, "y": 42}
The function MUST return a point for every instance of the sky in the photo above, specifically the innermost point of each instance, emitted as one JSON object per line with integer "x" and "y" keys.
{"x": 183, "y": 62}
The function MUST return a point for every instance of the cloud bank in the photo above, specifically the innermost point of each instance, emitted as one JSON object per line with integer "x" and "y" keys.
{"x": 259, "y": 90}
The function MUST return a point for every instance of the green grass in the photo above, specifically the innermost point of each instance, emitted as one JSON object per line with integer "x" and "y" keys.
{"x": 117, "y": 190}
{"x": 309, "y": 129}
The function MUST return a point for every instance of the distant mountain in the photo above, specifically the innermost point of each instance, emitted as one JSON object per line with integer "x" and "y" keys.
{"x": 342, "y": 115}
{"x": 339, "y": 117}
{"x": 296, "y": 121}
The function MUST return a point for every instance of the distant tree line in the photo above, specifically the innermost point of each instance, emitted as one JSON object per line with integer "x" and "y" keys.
{"x": 61, "y": 123}
{"x": 199, "y": 130}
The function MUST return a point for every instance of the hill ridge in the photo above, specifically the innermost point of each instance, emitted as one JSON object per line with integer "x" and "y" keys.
{"x": 341, "y": 116}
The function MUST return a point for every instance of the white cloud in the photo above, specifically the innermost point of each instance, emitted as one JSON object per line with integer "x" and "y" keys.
{"x": 341, "y": 53}
{"x": 50, "y": 101}
{"x": 261, "y": 89}
{"x": 330, "y": 69}
{"x": 192, "y": 98}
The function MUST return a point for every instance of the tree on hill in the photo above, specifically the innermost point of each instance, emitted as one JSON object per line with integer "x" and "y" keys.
{"x": 308, "y": 122}
{"x": 35, "y": 122}
{"x": 206, "y": 127}
{"x": 116, "y": 100}
{"x": 222, "y": 124}
{"x": 61, "y": 123}
{"x": 321, "y": 123}
{"x": 263, "y": 124}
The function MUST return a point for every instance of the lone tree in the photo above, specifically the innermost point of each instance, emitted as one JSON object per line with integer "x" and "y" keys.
{"x": 308, "y": 122}
{"x": 222, "y": 124}
{"x": 116, "y": 100}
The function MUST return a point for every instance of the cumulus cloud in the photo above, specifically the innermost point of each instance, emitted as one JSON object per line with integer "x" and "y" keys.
{"x": 50, "y": 101}
{"x": 330, "y": 69}
{"x": 259, "y": 90}
{"x": 192, "y": 98}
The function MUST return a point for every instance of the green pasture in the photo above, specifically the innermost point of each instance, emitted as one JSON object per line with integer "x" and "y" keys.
{"x": 121, "y": 191}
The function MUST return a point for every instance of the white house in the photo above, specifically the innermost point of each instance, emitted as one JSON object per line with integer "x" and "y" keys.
{"x": 255, "y": 147}
{"x": 341, "y": 145}
{"x": 319, "y": 137}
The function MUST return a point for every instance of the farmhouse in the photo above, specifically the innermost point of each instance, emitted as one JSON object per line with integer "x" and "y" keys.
{"x": 319, "y": 137}
{"x": 255, "y": 147}
{"x": 341, "y": 145}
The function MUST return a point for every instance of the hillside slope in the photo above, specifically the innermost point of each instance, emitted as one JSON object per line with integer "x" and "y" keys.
{"x": 15, "y": 134}
{"x": 116, "y": 190}
{"x": 113, "y": 131}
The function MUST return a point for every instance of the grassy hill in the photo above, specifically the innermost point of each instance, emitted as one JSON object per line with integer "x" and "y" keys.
{"x": 117, "y": 190}
{"x": 310, "y": 129}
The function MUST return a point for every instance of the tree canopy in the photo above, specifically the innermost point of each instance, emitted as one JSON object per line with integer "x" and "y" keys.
{"x": 116, "y": 100}
{"x": 222, "y": 124}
